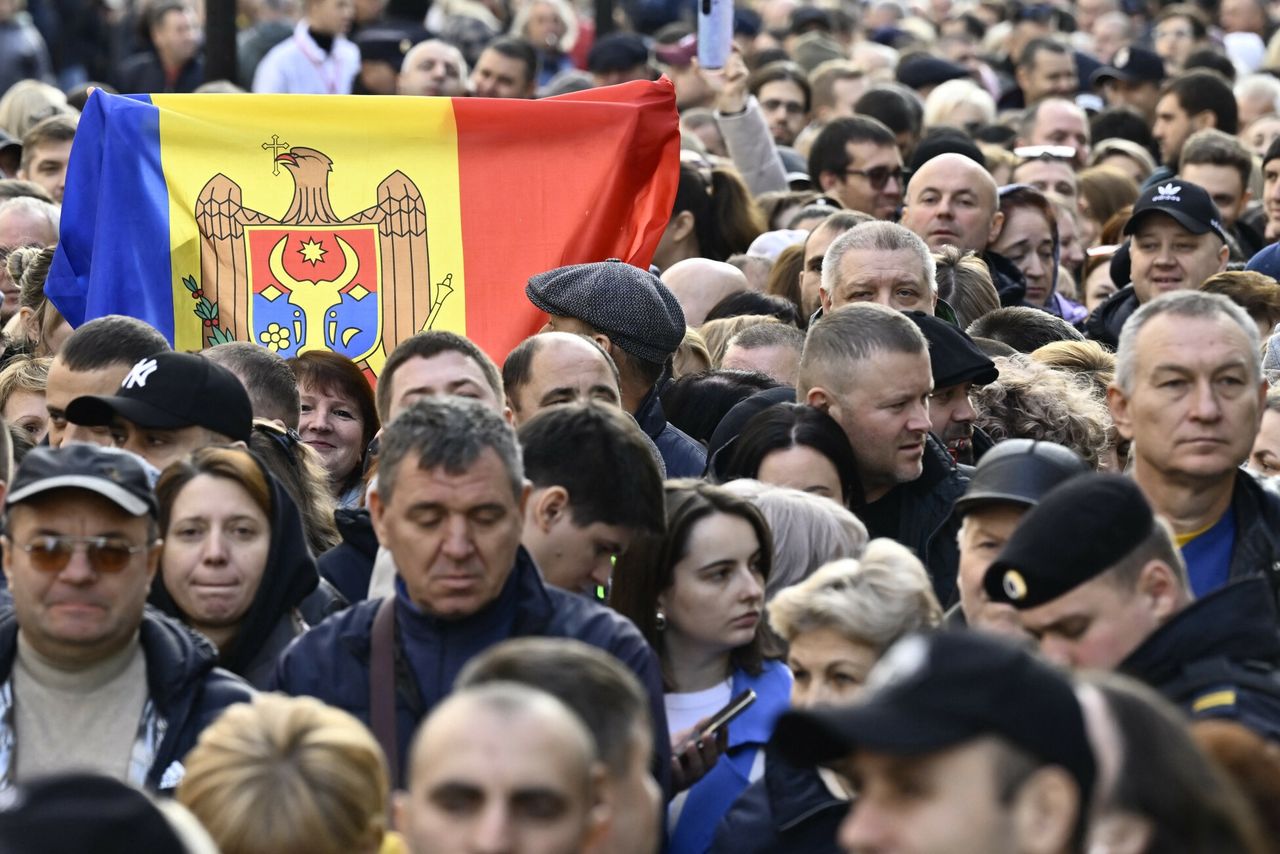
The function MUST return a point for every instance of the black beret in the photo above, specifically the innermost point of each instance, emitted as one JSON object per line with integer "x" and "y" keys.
{"x": 1080, "y": 530}
{"x": 632, "y": 306}
{"x": 953, "y": 357}
{"x": 923, "y": 69}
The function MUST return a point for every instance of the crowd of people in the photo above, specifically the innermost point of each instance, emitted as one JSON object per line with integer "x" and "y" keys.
{"x": 919, "y": 498}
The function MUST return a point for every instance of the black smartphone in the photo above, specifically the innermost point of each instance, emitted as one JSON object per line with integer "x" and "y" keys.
{"x": 721, "y": 719}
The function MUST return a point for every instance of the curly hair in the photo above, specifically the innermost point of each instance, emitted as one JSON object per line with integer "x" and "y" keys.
{"x": 1031, "y": 400}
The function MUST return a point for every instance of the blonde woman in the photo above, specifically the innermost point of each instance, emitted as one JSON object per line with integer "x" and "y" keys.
{"x": 288, "y": 775}
{"x": 837, "y": 623}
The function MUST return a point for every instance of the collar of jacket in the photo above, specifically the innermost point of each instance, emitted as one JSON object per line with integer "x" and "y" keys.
{"x": 523, "y": 590}
{"x": 1237, "y": 621}
{"x": 796, "y": 794}
{"x": 649, "y": 414}
{"x": 1256, "y": 503}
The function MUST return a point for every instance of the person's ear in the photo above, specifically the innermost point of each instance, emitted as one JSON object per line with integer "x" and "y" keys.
{"x": 828, "y": 180}
{"x": 1045, "y": 810}
{"x": 399, "y": 810}
{"x": 681, "y": 226}
{"x": 1118, "y": 403}
{"x": 1022, "y": 77}
{"x": 824, "y": 297}
{"x": 549, "y": 506}
{"x": 1161, "y": 588}
{"x": 30, "y": 328}
{"x": 997, "y": 225}
{"x": 377, "y": 514}
{"x": 819, "y": 398}
{"x": 600, "y": 815}
{"x": 1224, "y": 255}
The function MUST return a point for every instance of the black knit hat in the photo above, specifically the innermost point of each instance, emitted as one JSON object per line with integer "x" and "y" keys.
{"x": 1077, "y": 532}
{"x": 632, "y": 306}
{"x": 953, "y": 357}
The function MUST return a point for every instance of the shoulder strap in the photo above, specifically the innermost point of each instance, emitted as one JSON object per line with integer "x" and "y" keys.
{"x": 382, "y": 685}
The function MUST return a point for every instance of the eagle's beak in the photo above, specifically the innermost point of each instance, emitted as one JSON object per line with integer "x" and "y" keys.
{"x": 286, "y": 158}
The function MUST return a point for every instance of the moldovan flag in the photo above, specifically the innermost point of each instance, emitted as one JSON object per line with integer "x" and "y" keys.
{"x": 350, "y": 223}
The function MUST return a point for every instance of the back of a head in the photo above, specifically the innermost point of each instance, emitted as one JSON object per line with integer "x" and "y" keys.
{"x": 808, "y": 530}
{"x": 606, "y": 696}
{"x": 769, "y": 335}
{"x": 108, "y": 341}
{"x": 755, "y": 303}
{"x": 899, "y": 108}
{"x": 842, "y": 339}
{"x": 1023, "y": 328}
{"x": 554, "y": 444}
{"x": 695, "y": 403}
{"x": 287, "y": 775}
{"x": 1201, "y": 91}
{"x": 964, "y": 282}
{"x": 1189, "y": 805}
{"x": 272, "y": 388}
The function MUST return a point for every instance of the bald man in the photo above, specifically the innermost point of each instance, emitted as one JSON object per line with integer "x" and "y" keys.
{"x": 1057, "y": 121}
{"x": 555, "y": 368}
{"x": 502, "y": 767}
{"x": 952, "y": 200}
{"x": 433, "y": 67}
{"x": 699, "y": 283}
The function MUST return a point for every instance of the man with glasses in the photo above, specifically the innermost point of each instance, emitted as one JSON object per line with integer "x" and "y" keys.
{"x": 784, "y": 95}
{"x": 857, "y": 162}
{"x": 79, "y": 655}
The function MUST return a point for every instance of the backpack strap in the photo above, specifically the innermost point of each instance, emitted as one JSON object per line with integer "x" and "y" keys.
{"x": 382, "y": 685}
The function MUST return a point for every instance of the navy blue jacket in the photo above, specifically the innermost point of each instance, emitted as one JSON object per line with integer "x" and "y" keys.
{"x": 683, "y": 455}
{"x": 349, "y": 565}
{"x": 788, "y": 811}
{"x": 188, "y": 691}
{"x": 1219, "y": 658}
{"x": 331, "y": 661}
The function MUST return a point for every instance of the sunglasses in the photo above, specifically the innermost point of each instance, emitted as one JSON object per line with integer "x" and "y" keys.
{"x": 51, "y": 553}
{"x": 880, "y": 175}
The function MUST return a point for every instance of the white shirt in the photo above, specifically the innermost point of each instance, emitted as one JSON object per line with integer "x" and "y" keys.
{"x": 298, "y": 66}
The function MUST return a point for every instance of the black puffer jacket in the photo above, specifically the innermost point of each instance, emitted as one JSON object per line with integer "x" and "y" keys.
{"x": 1108, "y": 319}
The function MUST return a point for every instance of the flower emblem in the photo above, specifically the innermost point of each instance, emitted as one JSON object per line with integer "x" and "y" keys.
{"x": 276, "y": 337}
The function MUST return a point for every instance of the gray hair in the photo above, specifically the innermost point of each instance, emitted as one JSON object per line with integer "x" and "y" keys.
{"x": 1198, "y": 304}
{"x": 851, "y": 335}
{"x": 808, "y": 530}
{"x": 874, "y": 601}
{"x": 877, "y": 237}
{"x": 34, "y": 208}
{"x": 1259, "y": 86}
{"x": 449, "y": 433}
{"x": 768, "y": 335}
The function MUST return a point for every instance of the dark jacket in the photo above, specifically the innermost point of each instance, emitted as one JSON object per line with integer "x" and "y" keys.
{"x": 1010, "y": 284}
{"x": 789, "y": 811}
{"x": 331, "y": 661}
{"x": 186, "y": 691}
{"x": 683, "y": 455}
{"x": 1256, "y": 504}
{"x": 1219, "y": 657}
{"x": 1105, "y": 323}
{"x": 142, "y": 74}
{"x": 348, "y": 566}
{"x": 922, "y": 518}
{"x": 288, "y": 578}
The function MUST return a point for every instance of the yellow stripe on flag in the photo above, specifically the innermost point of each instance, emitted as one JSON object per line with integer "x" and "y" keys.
{"x": 250, "y": 231}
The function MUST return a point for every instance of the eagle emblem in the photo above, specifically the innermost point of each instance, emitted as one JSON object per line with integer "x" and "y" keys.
{"x": 311, "y": 280}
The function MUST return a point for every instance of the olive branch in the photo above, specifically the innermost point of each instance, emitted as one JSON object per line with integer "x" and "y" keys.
{"x": 207, "y": 311}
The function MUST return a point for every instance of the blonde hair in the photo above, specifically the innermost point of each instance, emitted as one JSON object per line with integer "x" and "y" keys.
{"x": 692, "y": 356}
{"x": 948, "y": 96}
{"x": 716, "y": 333}
{"x": 287, "y": 775}
{"x": 1087, "y": 359}
{"x": 29, "y": 102}
{"x": 23, "y": 373}
{"x": 872, "y": 601}
{"x": 563, "y": 9}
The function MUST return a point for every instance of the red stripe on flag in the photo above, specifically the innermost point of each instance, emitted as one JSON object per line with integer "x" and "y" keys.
{"x": 567, "y": 180}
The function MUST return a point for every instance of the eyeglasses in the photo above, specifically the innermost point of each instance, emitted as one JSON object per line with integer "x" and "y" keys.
{"x": 793, "y": 108}
{"x": 51, "y": 553}
{"x": 880, "y": 175}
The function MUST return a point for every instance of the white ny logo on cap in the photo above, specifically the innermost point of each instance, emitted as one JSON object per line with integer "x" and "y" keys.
{"x": 138, "y": 374}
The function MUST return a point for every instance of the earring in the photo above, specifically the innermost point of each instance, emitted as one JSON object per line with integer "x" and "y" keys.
{"x": 659, "y": 620}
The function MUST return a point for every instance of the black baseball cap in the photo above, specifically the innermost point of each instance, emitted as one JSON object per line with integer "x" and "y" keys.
{"x": 116, "y": 475}
{"x": 1019, "y": 471}
{"x": 932, "y": 692}
{"x": 953, "y": 357}
{"x": 1079, "y": 531}
{"x": 1189, "y": 205}
{"x": 172, "y": 390}
{"x": 1131, "y": 65}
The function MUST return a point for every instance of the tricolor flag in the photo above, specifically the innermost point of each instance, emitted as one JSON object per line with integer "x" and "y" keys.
{"x": 350, "y": 223}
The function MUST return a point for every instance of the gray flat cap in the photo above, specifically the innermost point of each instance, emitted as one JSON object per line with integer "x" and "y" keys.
{"x": 632, "y": 306}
